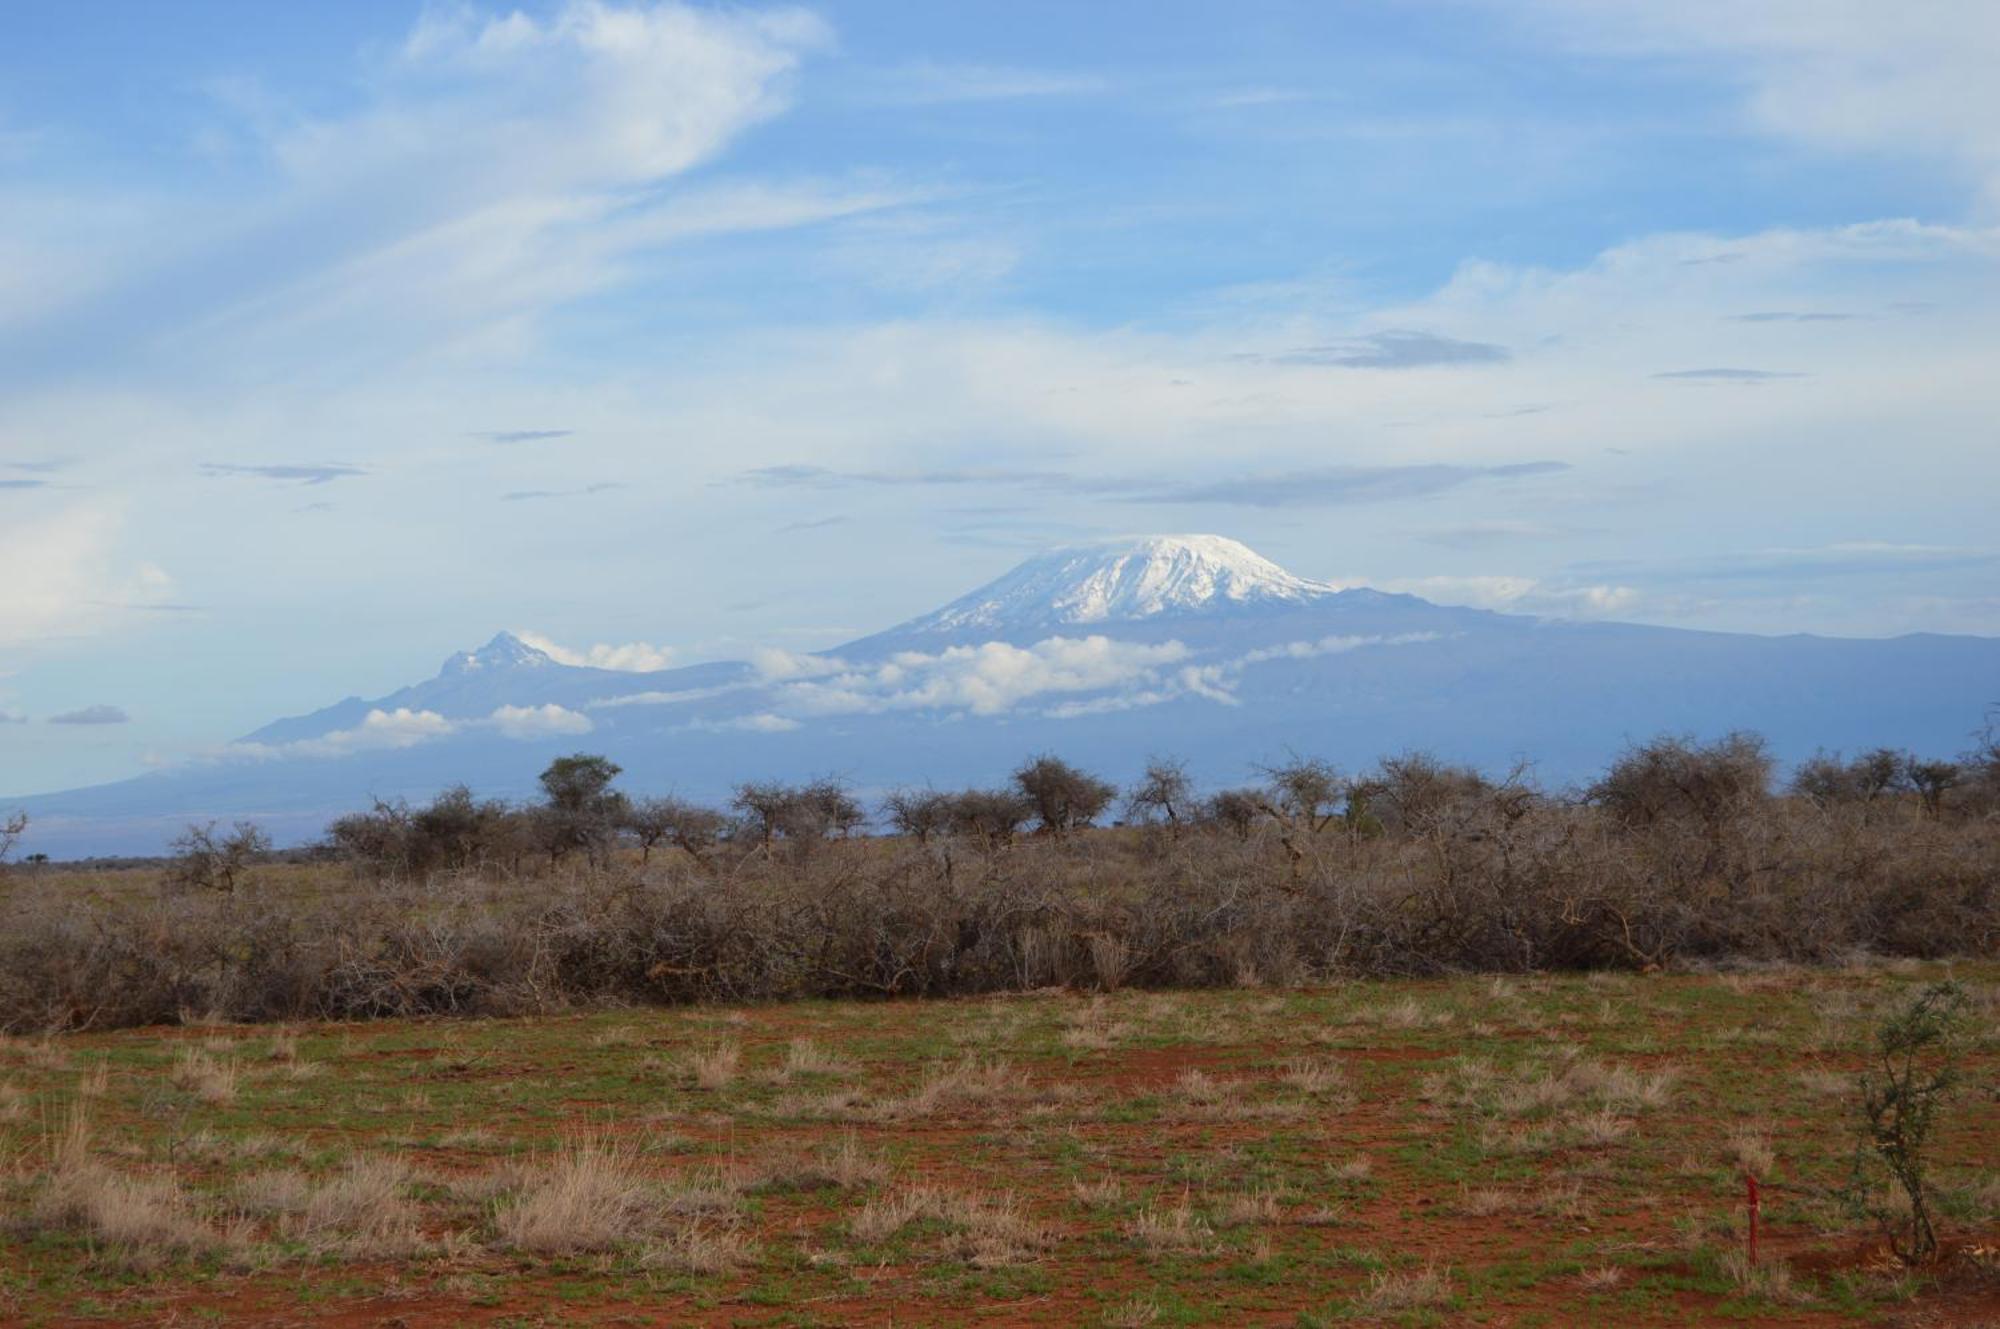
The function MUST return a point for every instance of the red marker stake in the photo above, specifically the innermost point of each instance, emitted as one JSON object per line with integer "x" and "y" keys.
{"x": 1750, "y": 1188}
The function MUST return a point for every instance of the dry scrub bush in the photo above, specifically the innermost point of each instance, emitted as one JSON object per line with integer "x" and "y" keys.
{"x": 1451, "y": 875}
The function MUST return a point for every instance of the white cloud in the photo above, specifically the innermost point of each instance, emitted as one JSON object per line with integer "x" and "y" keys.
{"x": 1910, "y": 80}
{"x": 1521, "y": 595}
{"x": 538, "y": 721}
{"x": 1338, "y": 645}
{"x": 764, "y": 722}
{"x": 987, "y": 679}
{"x": 61, "y": 575}
{"x": 775, "y": 662}
{"x": 499, "y": 167}
{"x": 400, "y": 728}
{"x": 636, "y": 657}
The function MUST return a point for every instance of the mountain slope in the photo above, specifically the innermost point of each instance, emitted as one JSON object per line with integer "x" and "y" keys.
{"x": 1191, "y": 645}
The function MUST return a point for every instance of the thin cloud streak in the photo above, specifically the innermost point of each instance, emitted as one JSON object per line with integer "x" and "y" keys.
{"x": 293, "y": 474}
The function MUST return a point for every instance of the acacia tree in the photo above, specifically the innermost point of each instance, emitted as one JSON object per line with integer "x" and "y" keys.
{"x": 205, "y": 861}
{"x": 1164, "y": 790}
{"x": 1302, "y": 796}
{"x": 1235, "y": 810}
{"x": 1932, "y": 780}
{"x": 1064, "y": 798}
{"x": 689, "y": 826}
{"x": 583, "y": 811}
{"x": 993, "y": 817}
{"x": 1826, "y": 779}
{"x": 10, "y": 834}
{"x": 918, "y": 813}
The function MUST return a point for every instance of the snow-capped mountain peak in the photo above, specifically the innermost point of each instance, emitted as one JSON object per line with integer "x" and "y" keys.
{"x": 505, "y": 651}
{"x": 1155, "y": 577}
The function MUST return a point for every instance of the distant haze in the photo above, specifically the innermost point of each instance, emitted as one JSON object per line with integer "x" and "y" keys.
{"x": 1193, "y": 646}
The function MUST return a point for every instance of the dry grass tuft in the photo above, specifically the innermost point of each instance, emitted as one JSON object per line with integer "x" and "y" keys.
{"x": 1390, "y": 1291}
{"x": 955, "y": 1084}
{"x": 1320, "y": 1079}
{"x": 1199, "y": 1089}
{"x": 1599, "y": 1129}
{"x": 1750, "y": 1152}
{"x": 1248, "y": 1210}
{"x": 1178, "y": 1230}
{"x": 589, "y": 1197}
{"x": 1106, "y": 1193}
{"x": 361, "y": 1210}
{"x": 805, "y": 1057}
{"x": 716, "y": 1068}
{"x": 983, "y": 1233}
{"x": 1357, "y": 1168}
{"x": 1770, "y": 1280}
{"x": 141, "y": 1220}
{"x": 1134, "y": 1314}
{"x": 208, "y": 1078}
{"x": 697, "y": 1249}
{"x": 843, "y": 1165}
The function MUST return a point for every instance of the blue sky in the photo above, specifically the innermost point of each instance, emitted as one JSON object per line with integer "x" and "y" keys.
{"x": 334, "y": 338}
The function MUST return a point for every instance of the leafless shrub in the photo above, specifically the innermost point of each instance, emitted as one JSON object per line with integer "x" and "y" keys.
{"x": 1653, "y": 873}
{"x": 205, "y": 861}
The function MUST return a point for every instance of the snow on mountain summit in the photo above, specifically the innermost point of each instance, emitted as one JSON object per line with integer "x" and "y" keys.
{"x": 505, "y": 651}
{"x": 1156, "y": 577}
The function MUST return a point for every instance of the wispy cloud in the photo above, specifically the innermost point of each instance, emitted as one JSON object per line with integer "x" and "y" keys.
{"x": 1397, "y": 348}
{"x": 289, "y": 473}
{"x": 1727, "y": 375}
{"x": 929, "y": 83}
{"x": 1329, "y": 486}
{"x": 524, "y": 495}
{"x": 24, "y": 484}
{"x": 1790, "y": 316}
{"x": 816, "y": 524}
{"x": 92, "y": 715}
{"x": 1313, "y": 487}
{"x": 793, "y": 476}
{"x": 1484, "y": 534}
{"x": 1852, "y": 558}
{"x": 524, "y": 435}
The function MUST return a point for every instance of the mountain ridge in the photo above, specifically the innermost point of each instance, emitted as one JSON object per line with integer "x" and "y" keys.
{"x": 1106, "y": 653}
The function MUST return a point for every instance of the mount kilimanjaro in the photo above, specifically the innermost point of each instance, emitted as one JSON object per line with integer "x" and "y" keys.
{"x": 1193, "y": 646}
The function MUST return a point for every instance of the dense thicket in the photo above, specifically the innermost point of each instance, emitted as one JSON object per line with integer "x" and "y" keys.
{"x": 1678, "y": 855}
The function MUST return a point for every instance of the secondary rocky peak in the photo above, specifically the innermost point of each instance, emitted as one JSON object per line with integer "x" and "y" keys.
{"x": 504, "y": 651}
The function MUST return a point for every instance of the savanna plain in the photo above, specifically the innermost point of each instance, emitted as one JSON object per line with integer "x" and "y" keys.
{"x": 1486, "y": 1059}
